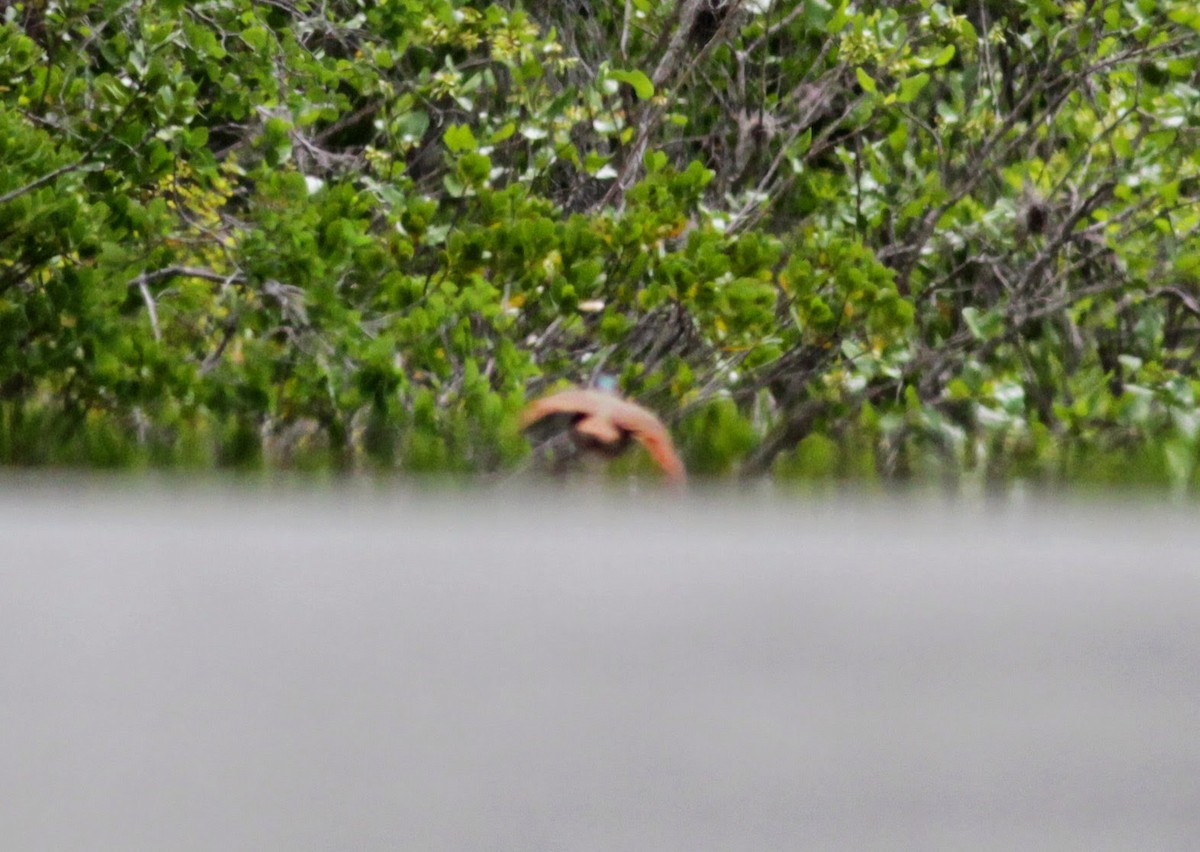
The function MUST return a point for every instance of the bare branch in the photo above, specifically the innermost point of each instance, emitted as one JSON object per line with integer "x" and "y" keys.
{"x": 40, "y": 182}
{"x": 797, "y": 424}
{"x": 168, "y": 272}
{"x": 151, "y": 311}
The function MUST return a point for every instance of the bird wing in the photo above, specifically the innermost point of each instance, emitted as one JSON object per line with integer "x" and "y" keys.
{"x": 649, "y": 431}
{"x": 572, "y": 401}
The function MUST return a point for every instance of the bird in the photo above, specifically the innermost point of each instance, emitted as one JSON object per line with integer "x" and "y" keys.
{"x": 603, "y": 423}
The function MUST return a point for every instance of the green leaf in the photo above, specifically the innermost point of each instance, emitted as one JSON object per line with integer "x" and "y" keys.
{"x": 943, "y": 57}
{"x": 911, "y": 87}
{"x": 864, "y": 80}
{"x": 654, "y": 161}
{"x": 642, "y": 87}
{"x": 503, "y": 133}
{"x": 256, "y": 38}
{"x": 458, "y": 138}
{"x": 413, "y": 125}
{"x": 838, "y": 19}
{"x": 984, "y": 325}
{"x": 1186, "y": 15}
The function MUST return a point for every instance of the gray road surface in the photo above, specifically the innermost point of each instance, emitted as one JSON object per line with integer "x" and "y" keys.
{"x": 368, "y": 669}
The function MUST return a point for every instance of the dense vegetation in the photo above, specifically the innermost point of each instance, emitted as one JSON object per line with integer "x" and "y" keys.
{"x": 826, "y": 240}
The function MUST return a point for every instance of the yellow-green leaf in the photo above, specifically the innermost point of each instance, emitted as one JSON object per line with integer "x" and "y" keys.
{"x": 503, "y": 133}
{"x": 642, "y": 87}
{"x": 864, "y": 80}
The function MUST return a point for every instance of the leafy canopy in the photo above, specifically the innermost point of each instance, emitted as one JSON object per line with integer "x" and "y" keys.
{"x": 828, "y": 240}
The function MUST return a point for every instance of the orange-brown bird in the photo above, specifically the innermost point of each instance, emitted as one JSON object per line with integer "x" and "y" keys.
{"x": 604, "y": 423}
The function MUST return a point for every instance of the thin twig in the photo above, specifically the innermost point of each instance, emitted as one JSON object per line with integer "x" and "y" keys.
{"x": 230, "y": 326}
{"x": 42, "y": 181}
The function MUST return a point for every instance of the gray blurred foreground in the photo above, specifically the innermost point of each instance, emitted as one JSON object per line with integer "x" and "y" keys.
{"x": 367, "y": 670}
